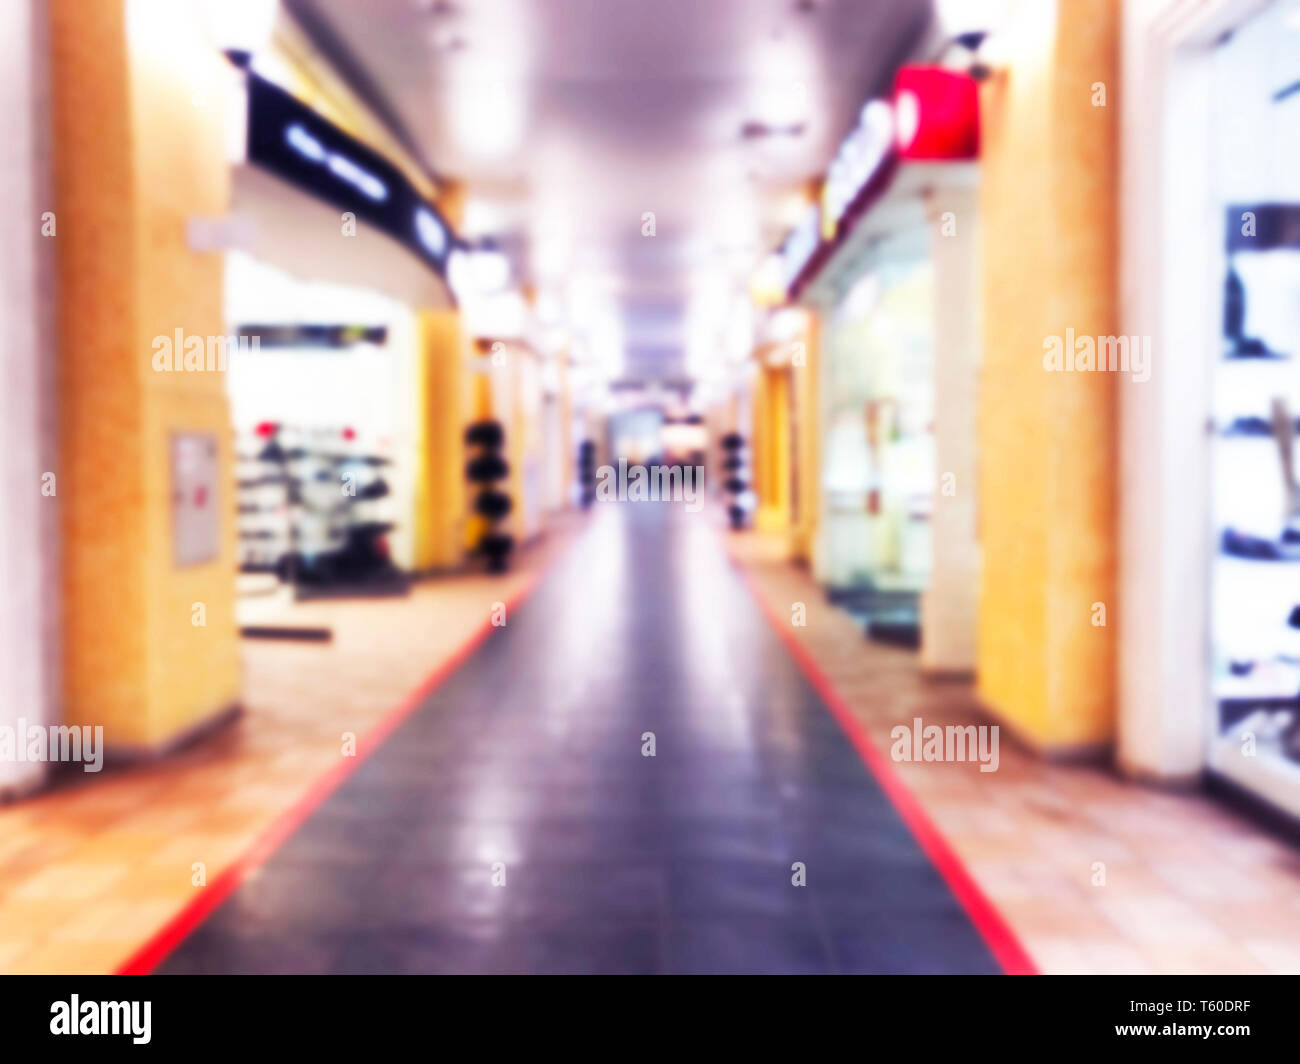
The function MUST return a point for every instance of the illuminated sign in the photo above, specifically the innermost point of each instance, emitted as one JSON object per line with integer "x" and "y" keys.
{"x": 288, "y": 138}
{"x": 799, "y": 247}
{"x": 431, "y": 232}
{"x": 858, "y": 160}
{"x": 339, "y": 165}
{"x": 938, "y": 113}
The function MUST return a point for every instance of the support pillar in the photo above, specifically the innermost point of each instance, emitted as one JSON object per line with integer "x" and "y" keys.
{"x": 151, "y": 648}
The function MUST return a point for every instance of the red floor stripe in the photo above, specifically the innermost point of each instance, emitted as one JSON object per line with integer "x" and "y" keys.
{"x": 156, "y": 949}
{"x": 990, "y": 923}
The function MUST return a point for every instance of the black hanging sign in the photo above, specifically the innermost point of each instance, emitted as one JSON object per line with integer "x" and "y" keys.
{"x": 288, "y": 138}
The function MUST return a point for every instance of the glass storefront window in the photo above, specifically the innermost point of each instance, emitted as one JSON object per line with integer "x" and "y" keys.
{"x": 1255, "y": 498}
{"x": 878, "y": 474}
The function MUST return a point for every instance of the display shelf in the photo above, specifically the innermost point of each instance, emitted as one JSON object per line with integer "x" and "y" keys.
{"x": 1270, "y": 775}
{"x": 1276, "y": 681}
{"x": 292, "y": 519}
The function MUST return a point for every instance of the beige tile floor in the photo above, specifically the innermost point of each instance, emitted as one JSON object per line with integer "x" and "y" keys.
{"x": 92, "y": 869}
{"x": 1190, "y": 886}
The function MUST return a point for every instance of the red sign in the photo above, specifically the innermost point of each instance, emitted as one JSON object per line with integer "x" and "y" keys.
{"x": 936, "y": 113}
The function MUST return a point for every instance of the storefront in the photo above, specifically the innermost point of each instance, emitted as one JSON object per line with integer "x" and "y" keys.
{"x": 893, "y": 286}
{"x": 1210, "y": 666}
{"x": 328, "y": 299}
{"x": 878, "y": 467}
{"x": 322, "y": 387}
{"x": 778, "y": 408}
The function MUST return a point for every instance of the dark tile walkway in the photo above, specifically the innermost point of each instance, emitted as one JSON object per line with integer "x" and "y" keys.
{"x": 529, "y": 760}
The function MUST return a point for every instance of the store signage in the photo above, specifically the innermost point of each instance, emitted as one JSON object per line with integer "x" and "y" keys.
{"x": 858, "y": 160}
{"x": 314, "y": 336}
{"x": 288, "y": 138}
{"x": 861, "y": 166}
{"x": 431, "y": 232}
{"x": 937, "y": 113}
{"x": 799, "y": 247}
{"x": 335, "y": 162}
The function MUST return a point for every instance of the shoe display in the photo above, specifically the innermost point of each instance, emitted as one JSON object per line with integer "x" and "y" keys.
{"x": 1259, "y": 549}
{"x": 311, "y": 508}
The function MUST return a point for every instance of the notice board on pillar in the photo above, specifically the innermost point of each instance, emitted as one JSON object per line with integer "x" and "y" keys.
{"x": 196, "y": 526}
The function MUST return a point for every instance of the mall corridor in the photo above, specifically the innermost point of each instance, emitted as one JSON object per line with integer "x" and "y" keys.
{"x": 513, "y": 823}
{"x": 649, "y": 486}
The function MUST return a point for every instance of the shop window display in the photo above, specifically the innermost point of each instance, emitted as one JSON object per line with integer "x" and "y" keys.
{"x": 320, "y": 390}
{"x": 879, "y": 470}
{"x": 313, "y": 510}
{"x": 1255, "y": 504}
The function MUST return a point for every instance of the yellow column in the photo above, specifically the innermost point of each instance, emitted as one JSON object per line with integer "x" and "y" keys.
{"x": 150, "y": 646}
{"x": 772, "y": 448}
{"x": 807, "y": 452}
{"x": 441, "y": 490}
{"x": 1047, "y": 439}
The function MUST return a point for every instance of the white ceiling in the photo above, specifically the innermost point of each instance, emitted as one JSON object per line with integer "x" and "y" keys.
{"x": 570, "y": 119}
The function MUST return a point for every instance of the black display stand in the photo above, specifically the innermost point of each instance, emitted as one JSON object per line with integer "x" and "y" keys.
{"x": 733, "y": 446}
{"x": 486, "y": 468}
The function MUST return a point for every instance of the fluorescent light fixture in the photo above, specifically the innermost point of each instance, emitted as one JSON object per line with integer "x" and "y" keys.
{"x": 780, "y": 72}
{"x": 605, "y": 342}
{"x": 490, "y": 269}
{"x": 550, "y": 257}
{"x": 495, "y": 314}
{"x": 740, "y": 329}
{"x": 477, "y": 273}
{"x": 482, "y": 218}
{"x": 550, "y": 311}
{"x": 487, "y": 119}
{"x": 458, "y": 274}
{"x": 782, "y": 104}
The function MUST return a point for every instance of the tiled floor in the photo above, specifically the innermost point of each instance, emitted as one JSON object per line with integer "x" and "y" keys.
{"x": 91, "y": 870}
{"x": 1189, "y": 885}
{"x": 515, "y": 824}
